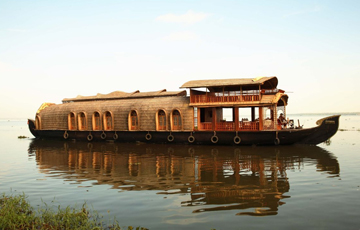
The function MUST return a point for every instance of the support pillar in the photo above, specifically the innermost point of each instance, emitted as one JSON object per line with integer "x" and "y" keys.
{"x": 261, "y": 118}
{"x": 252, "y": 113}
{"x": 236, "y": 118}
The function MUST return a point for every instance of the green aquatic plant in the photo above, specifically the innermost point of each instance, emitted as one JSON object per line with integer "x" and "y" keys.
{"x": 17, "y": 213}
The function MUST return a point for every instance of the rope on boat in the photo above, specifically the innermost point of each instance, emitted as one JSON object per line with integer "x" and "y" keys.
{"x": 148, "y": 136}
{"x": 103, "y": 135}
{"x": 89, "y": 137}
{"x": 115, "y": 136}
{"x": 191, "y": 138}
{"x": 214, "y": 139}
{"x": 66, "y": 135}
{"x": 237, "y": 140}
{"x": 170, "y": 138}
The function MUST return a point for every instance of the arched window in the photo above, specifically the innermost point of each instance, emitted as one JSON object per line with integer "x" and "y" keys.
{"x": 37, "y": 122}
{"x": 72, "y": 121}
{"x": 108, "y": 121}
{"x": 96, "y": 121}
{"x": 82, "y": 121}
{"x": 176, "y": 121}
{"x": 161, "y": 120}
{"x": 133, "y": 120}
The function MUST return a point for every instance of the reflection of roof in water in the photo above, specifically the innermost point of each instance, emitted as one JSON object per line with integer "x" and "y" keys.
{"x": 229, "y": 177}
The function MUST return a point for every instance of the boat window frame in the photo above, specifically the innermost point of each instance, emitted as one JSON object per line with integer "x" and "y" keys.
{"x": 195, "y": 118}
{"x": 105, "y": 120}
{"x": 80, "y": 121}
{"x": 130, "y": 124}
{"x": 157, "y": 120}
{"x": 172, "y": 120}
{"x": 93, "y": 121}
{"x": 70, "y": 125}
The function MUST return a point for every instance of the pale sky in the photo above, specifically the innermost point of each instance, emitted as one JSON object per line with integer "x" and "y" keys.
{"x": 50, "y": 50}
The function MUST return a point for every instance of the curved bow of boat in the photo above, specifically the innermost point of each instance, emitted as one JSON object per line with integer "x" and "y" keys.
{"x": 31, "y": 124}
{"x": 327, "y": 127}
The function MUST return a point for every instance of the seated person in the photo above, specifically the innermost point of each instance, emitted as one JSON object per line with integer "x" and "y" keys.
{"x": 282, "y": 120}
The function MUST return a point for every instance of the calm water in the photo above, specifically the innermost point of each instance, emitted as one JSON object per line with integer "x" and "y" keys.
{"x": 201, "y": 187}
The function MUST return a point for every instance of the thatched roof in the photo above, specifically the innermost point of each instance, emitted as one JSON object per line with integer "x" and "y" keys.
{"x": 124, "y": 95}
{"x": 245, "y": 83}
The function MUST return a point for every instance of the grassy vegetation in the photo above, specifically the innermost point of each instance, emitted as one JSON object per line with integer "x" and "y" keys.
{"x": 16, "y": 213}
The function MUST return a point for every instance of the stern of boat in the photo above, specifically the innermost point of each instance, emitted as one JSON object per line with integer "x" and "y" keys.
{"x": 32, "y": 127}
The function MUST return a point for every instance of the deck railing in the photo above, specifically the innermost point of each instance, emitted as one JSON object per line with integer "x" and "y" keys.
{"x": 222, "y": 99}
{"x": 225, "y": 126}
{"x": 230, "y": 126}
{"x": 205, "y": 126}
{"x": 249, "y": 125}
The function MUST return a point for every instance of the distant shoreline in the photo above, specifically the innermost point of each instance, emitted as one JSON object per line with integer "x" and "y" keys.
{"x": 327, "y": 114}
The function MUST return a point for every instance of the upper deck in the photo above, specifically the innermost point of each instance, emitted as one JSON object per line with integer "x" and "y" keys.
{"x": 234, "y": 92}
{"x": 235, "y": 98}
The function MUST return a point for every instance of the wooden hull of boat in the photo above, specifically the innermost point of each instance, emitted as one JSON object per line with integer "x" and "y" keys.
{"x": 312, "y": 136}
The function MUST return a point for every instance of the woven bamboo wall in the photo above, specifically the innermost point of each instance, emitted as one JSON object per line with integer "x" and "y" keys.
{"x": 56, "y": 117}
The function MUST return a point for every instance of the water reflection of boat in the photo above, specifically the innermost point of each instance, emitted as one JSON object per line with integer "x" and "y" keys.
{"x": 251, "y": 179}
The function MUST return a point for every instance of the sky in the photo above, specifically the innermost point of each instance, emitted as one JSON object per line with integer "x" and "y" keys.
{"x": 51, "y": 50}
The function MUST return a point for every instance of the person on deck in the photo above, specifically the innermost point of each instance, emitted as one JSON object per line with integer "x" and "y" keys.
{"x": 282, "y": 120}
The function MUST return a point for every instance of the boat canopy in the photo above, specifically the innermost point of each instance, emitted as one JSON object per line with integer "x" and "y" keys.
{"x": 268, "y": 83}
{"x": 124, "y": 95}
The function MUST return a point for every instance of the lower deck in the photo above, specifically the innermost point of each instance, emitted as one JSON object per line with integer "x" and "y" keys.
{"x": 238, "y": 119}
{"x": 316, "y": 135}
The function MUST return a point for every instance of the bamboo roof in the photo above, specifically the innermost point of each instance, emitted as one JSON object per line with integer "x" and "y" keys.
{"x": 245, "y": 83}
{"x": 124, "y": 95}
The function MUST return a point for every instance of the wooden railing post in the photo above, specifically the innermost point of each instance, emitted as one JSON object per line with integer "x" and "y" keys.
{"x": 261, "y": 118}
{"x": 214, "y": 115}
{"x": 236, "y": 118}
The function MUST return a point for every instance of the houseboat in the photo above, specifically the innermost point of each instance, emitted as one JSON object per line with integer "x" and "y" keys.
{"x": 217, "y": 112}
